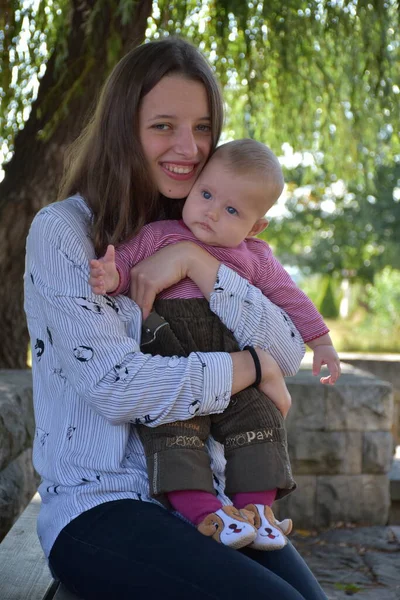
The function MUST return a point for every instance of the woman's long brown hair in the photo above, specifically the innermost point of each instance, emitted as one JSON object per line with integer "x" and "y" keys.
{"x": 106, "y": 164}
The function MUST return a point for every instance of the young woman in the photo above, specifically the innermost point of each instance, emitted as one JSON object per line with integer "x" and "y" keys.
{"x": 159, "y": 117}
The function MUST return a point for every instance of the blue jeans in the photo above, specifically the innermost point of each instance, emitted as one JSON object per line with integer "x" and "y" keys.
{"x": 135, "y": 550}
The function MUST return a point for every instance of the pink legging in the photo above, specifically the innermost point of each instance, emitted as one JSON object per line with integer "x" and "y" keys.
{"x": 195, "y": 505}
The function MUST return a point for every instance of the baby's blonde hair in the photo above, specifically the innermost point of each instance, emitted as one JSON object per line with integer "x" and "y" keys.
{"x": 249, "y": 157}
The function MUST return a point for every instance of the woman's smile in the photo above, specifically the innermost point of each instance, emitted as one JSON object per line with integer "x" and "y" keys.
{"x": 179, "y": 172}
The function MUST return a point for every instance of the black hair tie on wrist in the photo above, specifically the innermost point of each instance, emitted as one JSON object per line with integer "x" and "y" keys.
{"x": 257, "y": 365}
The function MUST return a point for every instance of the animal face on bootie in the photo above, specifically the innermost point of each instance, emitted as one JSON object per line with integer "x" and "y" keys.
{"x": 270, "y": 532}
{"x": 230, "y": 527}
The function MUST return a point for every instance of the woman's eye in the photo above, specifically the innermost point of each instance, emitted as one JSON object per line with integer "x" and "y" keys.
{"x": 204, "y": 128}
{"x": 161, "y": 126}
{"x": 231, "y": 210}
{"x": 206, "y": 195}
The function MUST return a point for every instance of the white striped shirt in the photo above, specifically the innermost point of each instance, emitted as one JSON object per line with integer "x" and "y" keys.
{"x": 91, "y": 382}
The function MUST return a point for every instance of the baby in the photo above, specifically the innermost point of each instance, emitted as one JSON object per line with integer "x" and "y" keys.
{"x": 224, "y": 211}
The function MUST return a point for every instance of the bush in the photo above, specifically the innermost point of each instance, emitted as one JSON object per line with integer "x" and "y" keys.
{"x": 383, "y": 297}
{"x": 328, "y": 306}
{"x": 375, "y": 326}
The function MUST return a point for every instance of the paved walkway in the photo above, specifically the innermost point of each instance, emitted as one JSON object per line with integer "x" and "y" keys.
{"x": 354, "y": 562}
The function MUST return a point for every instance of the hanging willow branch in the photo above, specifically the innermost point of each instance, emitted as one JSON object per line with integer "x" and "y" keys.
{"x": 313, "y": 73}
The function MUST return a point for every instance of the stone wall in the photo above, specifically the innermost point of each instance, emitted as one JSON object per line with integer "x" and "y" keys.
{"x": 339, "y": 439}
{"x": 383, "y": 366}
{"x": 18, "y": 480}
{"x": 341, "y": 448}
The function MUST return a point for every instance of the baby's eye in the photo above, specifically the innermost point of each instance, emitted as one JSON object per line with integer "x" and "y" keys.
{"x": 231, "y": 210}
{"x": 206, "y": 195}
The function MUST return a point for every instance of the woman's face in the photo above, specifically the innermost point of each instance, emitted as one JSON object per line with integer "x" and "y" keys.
{"x": 175, "y": 133}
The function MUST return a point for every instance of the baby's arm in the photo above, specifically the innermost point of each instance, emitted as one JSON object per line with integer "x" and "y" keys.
{"x": 325, "y": 354}
{"x": 104, "y": 277}
{"x": 277, "y": 284}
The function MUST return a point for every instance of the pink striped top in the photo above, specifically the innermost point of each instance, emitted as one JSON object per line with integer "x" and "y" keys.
{"x": 252, "y": 259}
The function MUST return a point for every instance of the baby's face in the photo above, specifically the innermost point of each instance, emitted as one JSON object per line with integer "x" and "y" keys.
{"x": 223, "y": 207}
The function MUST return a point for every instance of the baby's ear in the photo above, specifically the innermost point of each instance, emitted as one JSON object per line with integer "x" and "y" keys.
{"x": 259, "y": 226}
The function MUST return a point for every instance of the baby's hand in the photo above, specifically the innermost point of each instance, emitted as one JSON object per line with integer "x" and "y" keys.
{"x": 325, "y": 354}
{"x": 104, "y": 276}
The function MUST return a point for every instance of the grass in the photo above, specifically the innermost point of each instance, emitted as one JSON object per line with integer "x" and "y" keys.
{"x": 349, "y": 588}
{"x": 366, "y": 334}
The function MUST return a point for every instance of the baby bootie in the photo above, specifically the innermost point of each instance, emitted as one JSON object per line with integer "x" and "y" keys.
{"x": 230, "y": 526}
{"x": 270, "y": 532}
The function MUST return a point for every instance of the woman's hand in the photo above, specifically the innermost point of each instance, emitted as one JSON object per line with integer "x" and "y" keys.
{"x": 168, "y": 266}
{"x": 273, "y": 383}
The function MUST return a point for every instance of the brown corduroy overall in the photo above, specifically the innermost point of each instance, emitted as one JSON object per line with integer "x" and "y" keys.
{"x": 251, "y": 429}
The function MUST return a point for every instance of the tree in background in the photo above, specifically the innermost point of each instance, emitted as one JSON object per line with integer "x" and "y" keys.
{"x": 321, "y": 75}
{"x": 328, "y": 305}
{"x": 71, "y": 45}
{"x": 352, "y": 233}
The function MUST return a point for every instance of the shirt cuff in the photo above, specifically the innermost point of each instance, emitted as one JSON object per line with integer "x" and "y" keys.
{"x": 315, "y": 336}
{"x": 231, "y": 294}
{"x": 215, "y": 387}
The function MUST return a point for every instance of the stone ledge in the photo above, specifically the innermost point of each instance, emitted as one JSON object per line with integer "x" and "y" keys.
{"x": 358, "y": 402}
{"x": 326, "y": 500}
{"x": 394, "y": 477}
{"x": 340, "y": 452}
{"x": 341, "y": 445}
{"x": 384, "y": 366}
{"x": 17, "y": 423}
{"x": 325, "y": 452}
{"x": 377, "y": 452}
{"x": 18, "y": 482}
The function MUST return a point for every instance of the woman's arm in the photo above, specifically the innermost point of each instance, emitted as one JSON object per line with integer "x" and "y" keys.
{"x": 168, "y": 266}
{"x": 255, "y": 320}
{"x": 251, "y": 317}
{"x": 92, "y": 339}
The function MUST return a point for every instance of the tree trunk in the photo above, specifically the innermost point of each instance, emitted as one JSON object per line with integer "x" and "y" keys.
{"x": 33, "y": 174}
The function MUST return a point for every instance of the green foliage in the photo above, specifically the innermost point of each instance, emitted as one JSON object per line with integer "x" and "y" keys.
{"x": 325, "y": 77}
{"x": 32, "y": 31}
{"x": 368, "y": 335}
{"x": 374, "y": 323}
{"x": 381, "y": 213}
{"x": 328, "y": 305}
{"x": 28, "y": 33}
{"x": 353, "y": 232}
{"x": 317, "y": 74}
{"x": 382, "y": 298}
{"x": 321, "y": 75}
